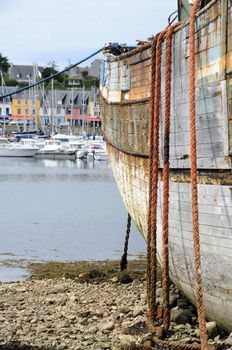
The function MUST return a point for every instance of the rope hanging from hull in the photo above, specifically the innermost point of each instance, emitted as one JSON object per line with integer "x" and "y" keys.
{"x": 193, "y": 161}
{"x": 165, "y": 208}
{"x": 123, "y": 261}
{"x": 153, "y": 176}
{"x": 150, "y": 242}
{"x": 155, "y": 97}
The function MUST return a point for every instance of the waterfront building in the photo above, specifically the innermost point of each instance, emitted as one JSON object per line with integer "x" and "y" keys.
{"x": 24, "y": 73}
{"x": 25, "y": 110}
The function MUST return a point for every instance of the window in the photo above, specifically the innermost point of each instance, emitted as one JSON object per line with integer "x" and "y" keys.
{"x": 0, "y": 110}
{"x": 19, "y": 101}
{"x": 33, "y": 111}
{"x": 26, "y": 102}
{"x": 7, "y": 110}
{"x": 26, "y": 111}
{"x": 19, "y": 111}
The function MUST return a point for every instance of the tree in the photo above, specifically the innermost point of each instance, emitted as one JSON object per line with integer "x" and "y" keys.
{"x": 85, "y": 74}
{"x": 49, "y": 71}
{"x": 4, "y": 64}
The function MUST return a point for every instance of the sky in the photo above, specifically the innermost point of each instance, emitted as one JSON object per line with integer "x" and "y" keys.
{"x": 66, "y": 31}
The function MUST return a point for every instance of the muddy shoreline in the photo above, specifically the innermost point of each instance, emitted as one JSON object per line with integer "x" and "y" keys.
{"x": 91, "y": 305}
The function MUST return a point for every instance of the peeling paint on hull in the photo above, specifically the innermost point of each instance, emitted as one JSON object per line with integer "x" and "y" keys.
{"x": 126, "y": 128}
{"x": 215, "y": 215}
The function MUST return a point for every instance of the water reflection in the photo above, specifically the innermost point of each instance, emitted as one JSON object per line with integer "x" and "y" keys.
{"x": 29, "y": 169}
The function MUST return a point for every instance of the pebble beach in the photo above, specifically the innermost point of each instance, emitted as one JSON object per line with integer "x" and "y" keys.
{"x": 78, "y": 314}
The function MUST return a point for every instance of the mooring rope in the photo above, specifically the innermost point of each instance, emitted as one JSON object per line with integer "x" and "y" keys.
{"x": 123, "y": 261}
{"x": 153, "y": 177}
{"x": 51, "y": 76}
{"x": 165, "y": 207}
{"x": 193, "y": 161}
{"x": 150, "y": 248}
{"x": 156, "y": 54}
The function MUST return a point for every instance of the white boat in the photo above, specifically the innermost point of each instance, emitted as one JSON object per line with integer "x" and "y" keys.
{"x": 79, "y": 146}
{"x": 54, "y": 149}
{"x": 37, "y": 142}
{"x": 65, "y": 138}
{"x": 16, "y": 149}
{"x": 97, "y": 151}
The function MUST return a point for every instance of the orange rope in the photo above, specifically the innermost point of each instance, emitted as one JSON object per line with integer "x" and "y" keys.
{"x": 165, "y": 208}
{"x": 153, "y": 178}
{"x": 150, "y": 209}
{"x": 193, "y": 160}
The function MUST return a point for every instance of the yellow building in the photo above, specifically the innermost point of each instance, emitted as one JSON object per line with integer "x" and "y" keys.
{"x": 26, "y": 109}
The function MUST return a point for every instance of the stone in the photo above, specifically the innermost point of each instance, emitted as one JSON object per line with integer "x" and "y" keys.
{"x": 59, "y": 288}
{"x": 183, "y": 317}
{"x": 159, "y": 301}
{"x": 124, "y": 310}
{"x": 138, "y": 311}
{"x": 228, "y": 340}
{"x": 182, "y": 303}
{"x": 143, "y": 297}
{"x": 73, "y": 298}
{"x": 114, "y": 279}
{"x": 106, "y": 326}
{"x": 186, "y": 340}
{"x": 179, "y": 326}
{"x": 212, "y": 329}
{"x": 173, "y": 299}
{"x": 125, "y": 278}
{"x": 159, "y": 292}
{"x": 126, "y": 340}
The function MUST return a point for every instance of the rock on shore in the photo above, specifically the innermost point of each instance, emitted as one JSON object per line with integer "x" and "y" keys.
{"x": 66, "y": 314}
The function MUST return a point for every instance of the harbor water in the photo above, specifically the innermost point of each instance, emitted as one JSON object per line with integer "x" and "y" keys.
{"x": 60, "y": 210}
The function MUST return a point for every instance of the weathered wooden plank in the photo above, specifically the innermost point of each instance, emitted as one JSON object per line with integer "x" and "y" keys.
{"x": 220, "y": 246}
{"x": 207, "y": 199}
{"x": 203, "y": 208}
{"x": 221, "y": 221}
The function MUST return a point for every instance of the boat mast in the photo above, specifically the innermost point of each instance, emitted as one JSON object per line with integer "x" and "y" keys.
{"x": 4, "y": 124}
{"x": 52, "y": 106}
{"x": 72, "y": 101}
{"x": 43, "y": 108}
{"x": 83, "y": 107}
{"x": 94, "y": 102}
{"x": 30, "y": 105}
{"x": 24, "y": 111}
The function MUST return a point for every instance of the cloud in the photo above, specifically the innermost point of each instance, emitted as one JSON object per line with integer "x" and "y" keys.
{"x": 56, "y": 29}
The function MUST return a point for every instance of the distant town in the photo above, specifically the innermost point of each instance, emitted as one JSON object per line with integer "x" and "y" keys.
{"x": 69, "y": 100}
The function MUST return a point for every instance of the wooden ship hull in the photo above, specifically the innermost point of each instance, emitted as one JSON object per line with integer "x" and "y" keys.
{"x": 125, "y": 92}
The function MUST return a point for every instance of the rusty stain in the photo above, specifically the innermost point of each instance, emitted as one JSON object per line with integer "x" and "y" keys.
{"x": 206, "y": 177}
